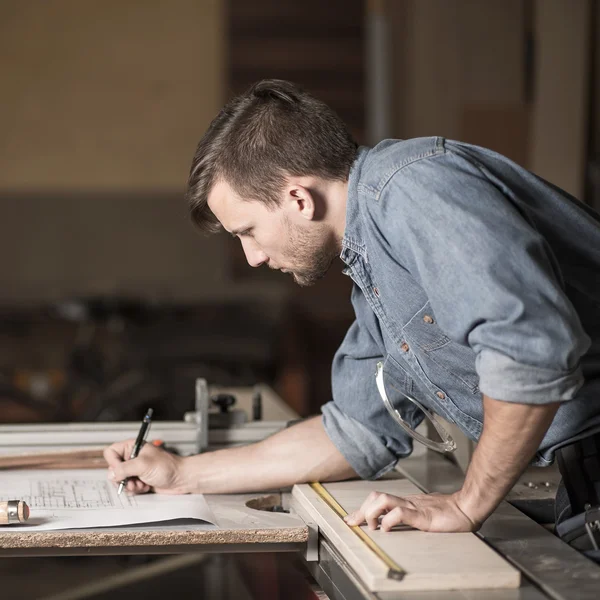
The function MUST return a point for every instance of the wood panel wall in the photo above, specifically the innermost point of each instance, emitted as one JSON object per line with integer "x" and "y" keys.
{"x": 319, "y": 45}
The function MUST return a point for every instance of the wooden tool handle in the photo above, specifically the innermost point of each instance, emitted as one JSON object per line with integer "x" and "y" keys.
{"x": 13, "y": 511}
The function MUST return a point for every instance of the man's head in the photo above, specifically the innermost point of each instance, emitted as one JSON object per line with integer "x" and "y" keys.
{"x": 272, "y": 169}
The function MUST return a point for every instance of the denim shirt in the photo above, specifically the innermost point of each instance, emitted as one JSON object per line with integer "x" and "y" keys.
{"x": 471, "y": 276}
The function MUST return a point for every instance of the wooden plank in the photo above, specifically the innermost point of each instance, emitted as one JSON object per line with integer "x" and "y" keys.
{"x": 432, "y": 561}
{"x": 67, "y": 459}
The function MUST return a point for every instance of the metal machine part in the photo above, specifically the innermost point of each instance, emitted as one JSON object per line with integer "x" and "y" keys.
{"x": 447, "y": 444}
{"x": 199, "y": 431}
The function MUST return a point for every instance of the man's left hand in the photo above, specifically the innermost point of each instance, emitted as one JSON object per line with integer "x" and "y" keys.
{"x": 427, "y": 512}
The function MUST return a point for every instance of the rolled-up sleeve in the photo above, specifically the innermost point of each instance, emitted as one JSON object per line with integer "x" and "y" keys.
{"x": 356, "y": 420}
{"x": 361, "y": 447}
{"x": 491, "y": 278}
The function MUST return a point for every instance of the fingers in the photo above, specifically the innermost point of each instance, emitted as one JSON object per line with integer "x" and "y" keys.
{"x": 114, "y": 455}
{"x": 136, "y": 486}
{"x": 136, "y": 470}
{"x": 404, "y": 516}
{"x": 358, "y": 516}
{"x": 129, "y": 471}
{"x": 393, "y": 509}
{"x": 427, "y": 512}
{"x": 129, "y": 468}
{"x": 121, "y": 467}
{"x": 375, "y": 509}
{"x": 376, "y": 505}
{"x": 383, "y": 505}
{"x": 118, "y": 452}
{"x": 133, "y": 485}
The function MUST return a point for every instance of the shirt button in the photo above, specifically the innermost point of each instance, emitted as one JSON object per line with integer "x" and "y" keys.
{"x": 405, "y": 347}
{"x": 376, "y": 291}
{"x": 441, "y": 395}
{"x": 427, "y": 319}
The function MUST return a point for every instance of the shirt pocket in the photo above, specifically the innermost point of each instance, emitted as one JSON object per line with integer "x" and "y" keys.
{"x": 444, "y": 405}
{"x": 457, "y": 361}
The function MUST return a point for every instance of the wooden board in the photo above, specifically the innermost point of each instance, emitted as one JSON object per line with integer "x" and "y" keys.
{"x": 432, "y": 561}
{"x": 237, "y": 524}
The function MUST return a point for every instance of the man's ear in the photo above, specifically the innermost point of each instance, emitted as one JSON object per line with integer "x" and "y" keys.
{"x": 301, "y": 201}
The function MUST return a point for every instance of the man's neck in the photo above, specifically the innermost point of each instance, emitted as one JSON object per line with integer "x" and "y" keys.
{"x": 337, "y": 197}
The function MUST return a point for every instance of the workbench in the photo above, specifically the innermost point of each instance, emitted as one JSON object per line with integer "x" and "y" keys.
{"x": 548, "y": 567}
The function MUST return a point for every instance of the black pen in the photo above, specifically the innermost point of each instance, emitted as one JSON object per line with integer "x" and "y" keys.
{"x": 139, "y": 442}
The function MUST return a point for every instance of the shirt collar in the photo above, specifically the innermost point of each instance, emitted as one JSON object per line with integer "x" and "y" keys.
{"x": 352, "y": 241}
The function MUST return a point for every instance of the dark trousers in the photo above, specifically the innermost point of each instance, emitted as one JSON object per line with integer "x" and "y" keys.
{"x": 578, "y": 495}
{"x": 579, "y": 465}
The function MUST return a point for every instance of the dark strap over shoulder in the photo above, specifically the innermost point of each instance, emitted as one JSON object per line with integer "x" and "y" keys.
{"x": 579, "y": 465}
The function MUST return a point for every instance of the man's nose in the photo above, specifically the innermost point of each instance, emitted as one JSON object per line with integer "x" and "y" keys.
{"x": 254, "y": 255}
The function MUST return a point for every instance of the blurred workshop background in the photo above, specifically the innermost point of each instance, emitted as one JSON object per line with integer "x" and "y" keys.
{"x": 109, "y": 298}
{"x": 111, "y": 302}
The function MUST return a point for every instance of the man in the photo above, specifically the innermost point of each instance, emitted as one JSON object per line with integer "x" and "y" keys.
{"x": 476, "y": 286}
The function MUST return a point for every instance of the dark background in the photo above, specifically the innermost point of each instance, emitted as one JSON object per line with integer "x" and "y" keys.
{"x": 108, "y": 298}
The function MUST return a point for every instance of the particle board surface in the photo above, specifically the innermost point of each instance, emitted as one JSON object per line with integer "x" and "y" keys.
{"x": 432, "y": 561}
{"x": 236, "y": 524}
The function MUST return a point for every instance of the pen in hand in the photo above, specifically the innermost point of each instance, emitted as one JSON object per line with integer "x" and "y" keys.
{"x": 139, "y": 442}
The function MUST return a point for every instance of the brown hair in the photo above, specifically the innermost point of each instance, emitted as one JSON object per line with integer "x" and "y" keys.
{"x": 272, "y": 130}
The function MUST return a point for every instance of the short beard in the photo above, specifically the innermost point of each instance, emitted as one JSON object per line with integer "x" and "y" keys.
{"x": 313, "y": 252}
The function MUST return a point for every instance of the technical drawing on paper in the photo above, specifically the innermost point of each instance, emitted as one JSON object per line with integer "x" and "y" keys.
{"x": 72, "y": 499}
{"x": 70, "y": 493}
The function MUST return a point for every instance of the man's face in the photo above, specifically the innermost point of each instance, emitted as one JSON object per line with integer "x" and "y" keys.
{"x": 280, "y": 237}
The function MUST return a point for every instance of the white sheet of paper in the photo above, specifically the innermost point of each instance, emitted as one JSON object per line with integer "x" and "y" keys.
{"x": 75, "y": 499}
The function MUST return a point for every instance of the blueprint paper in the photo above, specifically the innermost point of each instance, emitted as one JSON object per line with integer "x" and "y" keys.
{"x": 76, "y": 499}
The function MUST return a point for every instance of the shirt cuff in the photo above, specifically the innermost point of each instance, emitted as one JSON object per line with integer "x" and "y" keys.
{"x": 502, "y": 378}
{"x": 363, "y": 450}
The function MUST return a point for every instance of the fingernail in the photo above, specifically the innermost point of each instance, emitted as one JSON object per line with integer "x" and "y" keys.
{"x": 111, "y": 475}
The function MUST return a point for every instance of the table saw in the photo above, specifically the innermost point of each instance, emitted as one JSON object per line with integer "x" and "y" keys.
{"x": 512, "y": 557}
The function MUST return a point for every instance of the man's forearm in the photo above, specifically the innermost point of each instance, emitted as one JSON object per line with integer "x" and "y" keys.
{"x": 298, "y": 454}
{"x": 511, "y": 435}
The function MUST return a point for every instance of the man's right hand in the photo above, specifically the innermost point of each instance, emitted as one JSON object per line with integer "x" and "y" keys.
{"x": 296, "y": 454}
{"x": 153, "y": 469}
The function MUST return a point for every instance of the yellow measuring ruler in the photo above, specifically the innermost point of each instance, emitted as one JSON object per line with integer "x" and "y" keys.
{"x": 395, "y": 571}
